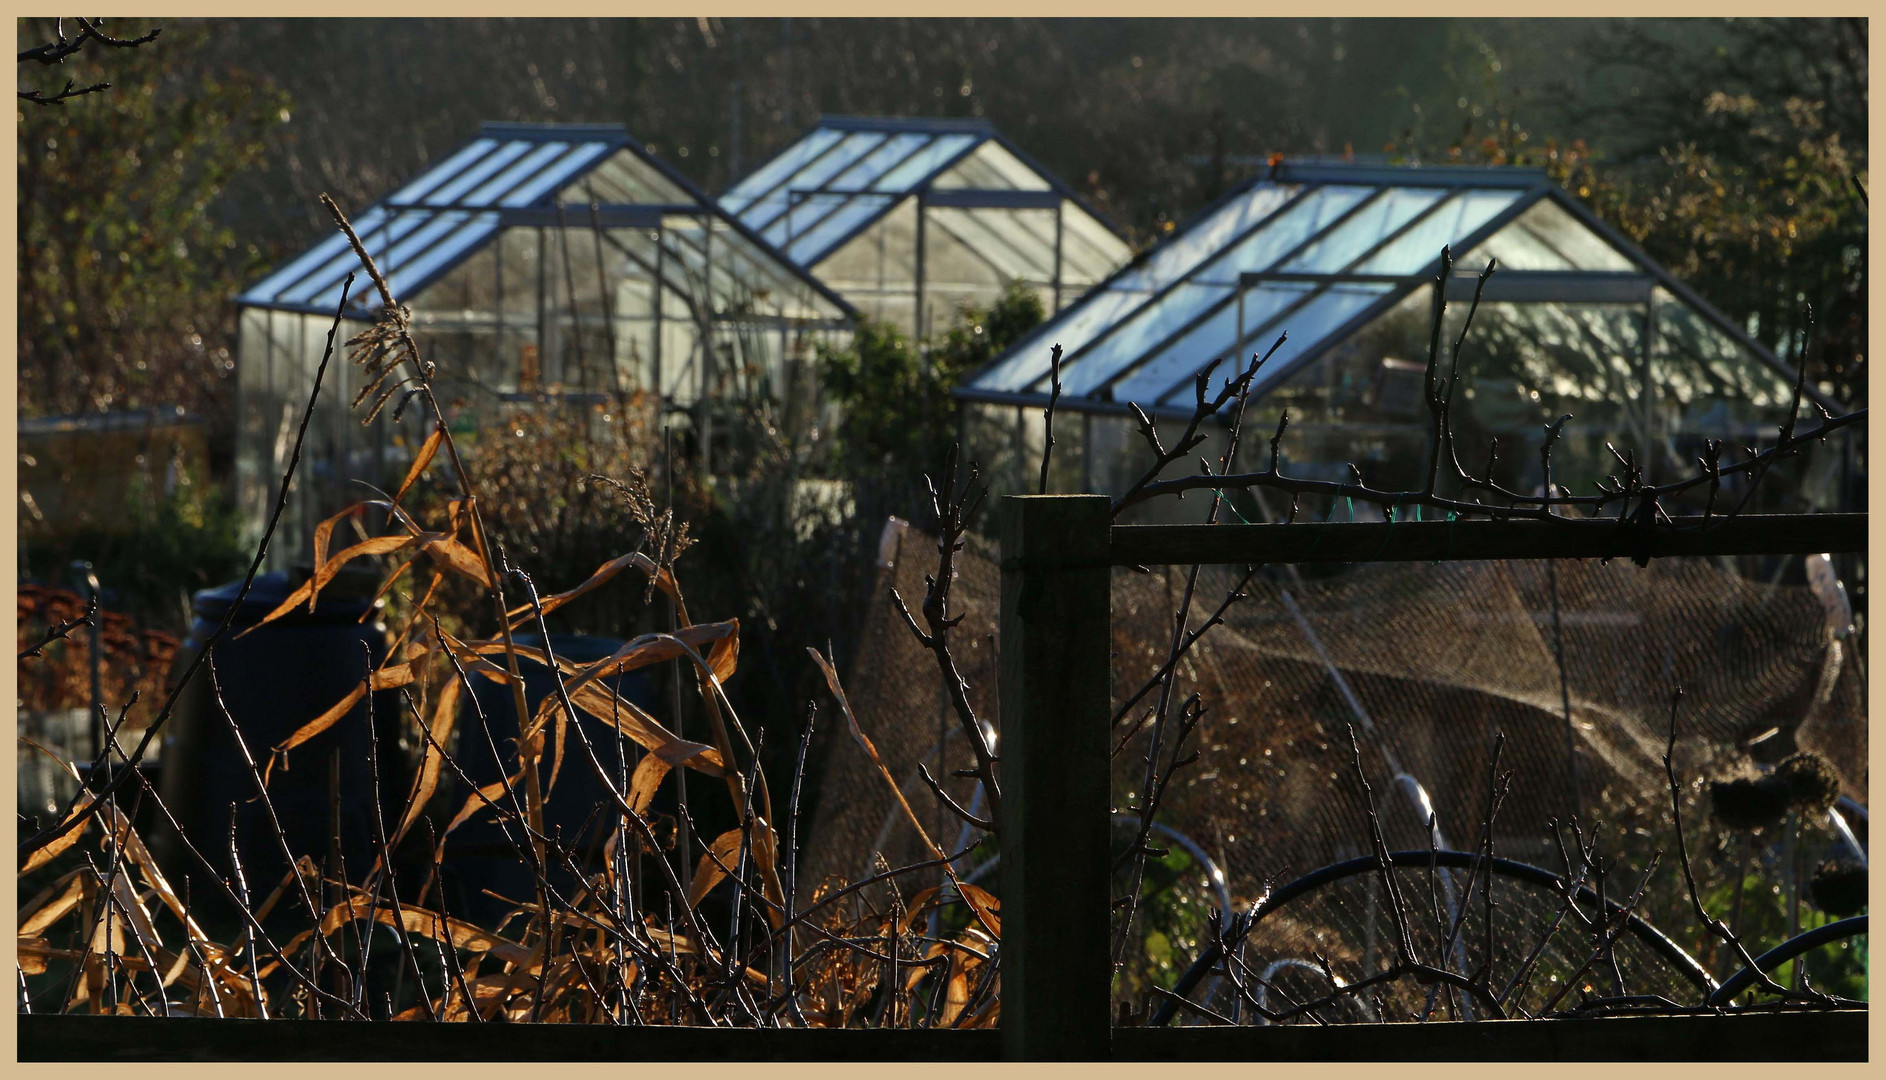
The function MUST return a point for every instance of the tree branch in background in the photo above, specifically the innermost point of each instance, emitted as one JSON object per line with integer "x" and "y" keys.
{"x": 953, "y": 509}
{"x": 64, "y": 628}
{"x": 56, "y": 51}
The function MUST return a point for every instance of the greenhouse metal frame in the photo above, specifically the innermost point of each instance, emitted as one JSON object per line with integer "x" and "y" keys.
{"x": 545, "y": 266}
{"x": 1342, "y": 258}
{"x": 910, "y": 219}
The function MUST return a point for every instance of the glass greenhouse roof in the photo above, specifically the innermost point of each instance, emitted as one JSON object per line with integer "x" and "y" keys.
{"x": 849, "y": 171}
{"x": 1320, "y": 252}
{"x": 563, "y": 175}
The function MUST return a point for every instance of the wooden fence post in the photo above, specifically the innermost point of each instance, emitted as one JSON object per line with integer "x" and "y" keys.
{"x": 1055, "y": 646}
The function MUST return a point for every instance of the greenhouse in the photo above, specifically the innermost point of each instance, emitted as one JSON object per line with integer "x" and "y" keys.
{"x": 545, "y": 266}
{"x": 911, "y": 219}
{"x": 1342, "y": 259}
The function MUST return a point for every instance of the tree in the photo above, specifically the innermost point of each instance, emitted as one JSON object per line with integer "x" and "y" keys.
{"x": 897, "y": 416}
{"x": 1733, "y": 152}
{"x": 125, "y": 270}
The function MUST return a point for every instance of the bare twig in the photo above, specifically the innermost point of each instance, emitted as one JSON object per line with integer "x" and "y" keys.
{"x": 1047, "y": 415}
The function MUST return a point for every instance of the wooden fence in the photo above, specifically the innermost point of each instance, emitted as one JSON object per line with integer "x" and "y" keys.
{"x": 1057, "y": 555}
{"x": 1058, "y": 552}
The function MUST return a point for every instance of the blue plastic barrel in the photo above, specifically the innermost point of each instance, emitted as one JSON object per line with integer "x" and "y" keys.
{"x": 273, "y": 681}
{"x": 478, "y": 857}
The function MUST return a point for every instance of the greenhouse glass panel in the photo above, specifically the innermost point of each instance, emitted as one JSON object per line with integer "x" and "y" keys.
{"x": 1088, "y": 251}
{"x": 918, "y": 168}
{"x": 1019, "y": 370}
{"x": 1215, "y": 282}
{"x": 992, "y": 167}
{"x": 1180, "y": 254}
{"x": 452, "y": 189}
{"x": 880, "y": 260}
{"x": 811, "y": 178}
{"x": 523, "y": 305}
{"x": 626, "y": 179}
{"x": 330, "y": 258}
{"x": 1373, "y": 223}
{"x": 808, "y": 209}
{"x": 1260, "y": 249}
{"x": 1107, "y": 356}
{"x": 1707, "y": 382}
{"x": 1452, "y": 223}
{"x": 519, "y": 172}
{"x": 1546, "y": 237}
{"x": 445, "y": 170}
{"x": 466, "y": 295}
{"x": 775, "y": 172}
{"x": 850, "y": 215}
{"x": 553, "y": 175}
{"x": 825, "y": 209}
{"x": 1002, "y": 239}
{"x": 1308, "y": 326}
{"x": 873, "y": 166}
{"x": 1574, "y": 326}
{"x": 1213, "y": 338}
{"x": 444, "y": 253}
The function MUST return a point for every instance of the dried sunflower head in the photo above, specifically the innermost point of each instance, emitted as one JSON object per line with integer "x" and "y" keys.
{"x": 1812, "y": 783}
{"x": 1749, "y": 804}
{"x": 1839, "y": 887}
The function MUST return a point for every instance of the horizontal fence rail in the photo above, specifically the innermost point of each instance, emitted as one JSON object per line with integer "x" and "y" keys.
{"x": 1424, "y": 541}
{"x": 1799, "y": 1036}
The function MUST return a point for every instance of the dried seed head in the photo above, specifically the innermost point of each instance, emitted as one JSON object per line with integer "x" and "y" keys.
{"x": 1749, "y": 804}
{"x": 1812, "y": 783}
{"x": 1839, "y": 887}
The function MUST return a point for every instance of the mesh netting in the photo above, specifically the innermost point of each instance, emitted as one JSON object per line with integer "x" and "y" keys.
{"x": 1346, "y": 924}
{"x": 1427, "y": 661}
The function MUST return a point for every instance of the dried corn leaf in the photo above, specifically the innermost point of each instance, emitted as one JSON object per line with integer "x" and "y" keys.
{"x": 444, "y": 712}
{"x": 916, "y": 908}
{"x": 980, "y": 902}
{"x": 63, "y": 843}
{"x": 477, "y": 801}
{"x": 310, "y": 589}
{"x": 430, "y": 924}
{"x": 725, "y": 848}
{"x": 984, "y": 904}
{"x": 324, "y": 533}
{"x": 420, "y": 460}
{"x": 649, "y": 773}
{"x": 460, "y": 558}
{"x": 870, "y": 749}
{"x": 134, "y": 849}
{"x": 522, "y": 613}
{"x": 607, "y": 706}
{"x": 32, "y": 955}
{"x": 386, "y": 678}
{"x": 684, "y": 946}
{"x": 43, "y": 911}
{"x": 954, "y": 998}
{"x": 130, "y": 904}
